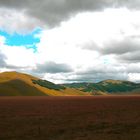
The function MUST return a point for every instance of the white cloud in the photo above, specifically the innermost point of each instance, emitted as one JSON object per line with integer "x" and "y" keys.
{"x": 2, "y": 40}
{"x": 79, "y": 41}
{"x": 95, "y": 28}
{"x": 17, "y": 56}
{"x": 135, "y": 77}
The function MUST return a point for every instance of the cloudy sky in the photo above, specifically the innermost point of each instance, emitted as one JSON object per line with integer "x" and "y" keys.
{"x": 71, "y": 40}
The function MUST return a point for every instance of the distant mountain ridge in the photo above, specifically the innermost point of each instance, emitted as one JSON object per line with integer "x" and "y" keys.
{"x": 109, "y": 87}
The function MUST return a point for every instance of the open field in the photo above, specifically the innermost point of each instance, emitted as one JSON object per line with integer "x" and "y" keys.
{"x": 70, "y": 118}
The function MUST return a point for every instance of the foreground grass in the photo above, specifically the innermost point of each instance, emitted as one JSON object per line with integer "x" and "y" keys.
{"x": 70, "y": 118}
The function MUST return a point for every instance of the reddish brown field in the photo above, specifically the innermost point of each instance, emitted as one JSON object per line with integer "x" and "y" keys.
{"x": 70, "y": 118}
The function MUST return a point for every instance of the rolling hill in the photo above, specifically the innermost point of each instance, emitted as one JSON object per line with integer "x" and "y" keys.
{"x": 107, "y": 87}
{"x": 20, "y": 84}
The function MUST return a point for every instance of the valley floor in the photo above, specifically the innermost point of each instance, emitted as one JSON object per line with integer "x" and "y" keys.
{"x": 70, "y": 118}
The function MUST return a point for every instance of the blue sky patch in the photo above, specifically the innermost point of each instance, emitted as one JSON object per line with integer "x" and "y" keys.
{"x": 28, "y": 40}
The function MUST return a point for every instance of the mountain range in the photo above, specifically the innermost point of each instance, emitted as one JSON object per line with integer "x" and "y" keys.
{"x": 107, "y": 87}
{"x": 21, "y": 84}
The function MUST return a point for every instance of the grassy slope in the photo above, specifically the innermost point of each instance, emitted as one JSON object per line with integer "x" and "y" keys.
{"x": 107, "y": 87}
{"x": 14, "y": 83}
{"x": 18, "y": 88}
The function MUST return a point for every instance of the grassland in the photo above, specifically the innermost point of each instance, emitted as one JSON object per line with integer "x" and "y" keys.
{"x": 20, "y": 84}
{"x": 70, "y": 118}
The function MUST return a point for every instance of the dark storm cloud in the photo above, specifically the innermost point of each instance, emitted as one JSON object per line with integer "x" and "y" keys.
{"x": 52, "y": 12}
{"x": 132, "y": 4}
{"x": 126, "y": 50}
{"x": 52, "y": 67}
{"x": 97, "y": 74}
{"x": 2, "y": 60}
{"x": 133, "y": 68}
{"x": 121, "y": 47}
{"x": 131, "y": 57}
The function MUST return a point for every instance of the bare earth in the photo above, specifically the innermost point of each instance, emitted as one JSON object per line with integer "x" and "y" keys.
{"x": 70, "y": 118}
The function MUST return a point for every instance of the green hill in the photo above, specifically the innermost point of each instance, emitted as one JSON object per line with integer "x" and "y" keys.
{"x": 107, "y": 86}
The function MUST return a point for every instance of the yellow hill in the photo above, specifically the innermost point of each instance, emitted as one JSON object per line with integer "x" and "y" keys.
{"x": 20, "y": 84}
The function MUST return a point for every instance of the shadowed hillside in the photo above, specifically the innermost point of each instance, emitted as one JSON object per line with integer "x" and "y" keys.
{"x": 18, "y": 88}
{"x": 48, "y": 84}
{"x": 20, "y": 84}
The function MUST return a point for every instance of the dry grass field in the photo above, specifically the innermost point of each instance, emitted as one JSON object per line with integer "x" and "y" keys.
{"x": 70, "y": 118}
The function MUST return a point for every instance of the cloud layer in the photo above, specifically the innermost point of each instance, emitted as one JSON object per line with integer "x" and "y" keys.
{"x": 2, "y": 60}
{"x": 52, "y": 67}
{"x": 80, "y": 40}
{"x": 52, "y": 12}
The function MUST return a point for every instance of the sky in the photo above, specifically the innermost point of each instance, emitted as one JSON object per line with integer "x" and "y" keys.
{"x": 66, "y": 41}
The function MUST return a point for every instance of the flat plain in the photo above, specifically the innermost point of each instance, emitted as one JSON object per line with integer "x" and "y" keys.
{"x": 70, "y": 118}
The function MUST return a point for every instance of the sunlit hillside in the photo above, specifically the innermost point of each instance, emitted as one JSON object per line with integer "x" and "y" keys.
{"x": 14, "y": 83}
